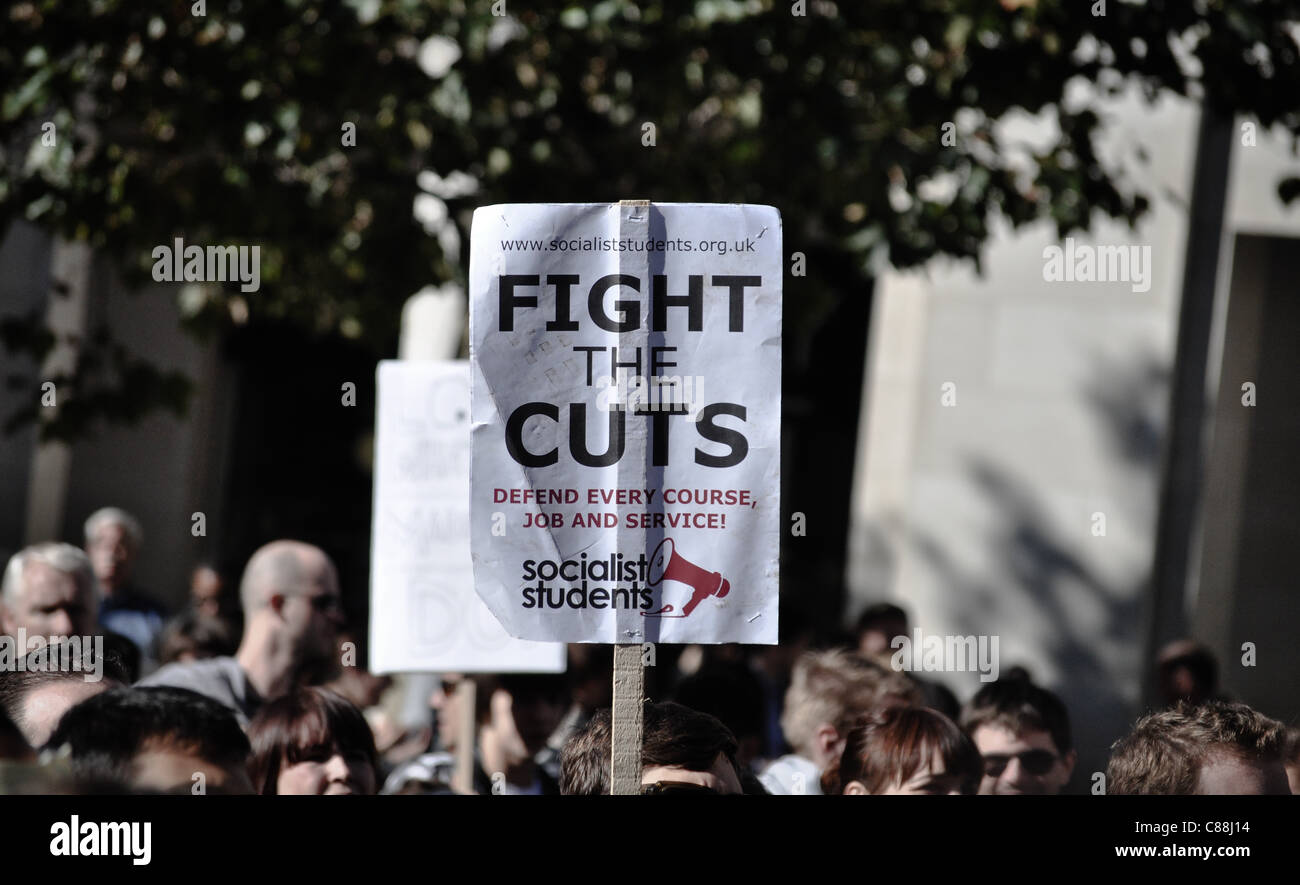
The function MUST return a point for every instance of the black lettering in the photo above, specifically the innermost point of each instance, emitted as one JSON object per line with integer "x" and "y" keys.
{"x": 693, "y": 301}
{"x": 724, "y": 435}
{"x": 506, "y": 311}
{"x": 737, "y": 286}
{"x": 515, "y": 434}
{"x": 629, "y": 311}
{"x": 578, "y": 437}
{"x": 562, "y": 284}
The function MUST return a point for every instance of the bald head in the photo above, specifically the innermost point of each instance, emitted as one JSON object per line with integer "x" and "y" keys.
{"x": 292, "y": 615}
{"x": 287, "y": 568}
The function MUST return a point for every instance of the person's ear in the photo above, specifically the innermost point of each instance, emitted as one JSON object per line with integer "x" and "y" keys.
{"x": 826, "y": 739}
{"x": 1068, "y": 760}
{"x": 277, "y": 602}
{"x": 855, "y": 788}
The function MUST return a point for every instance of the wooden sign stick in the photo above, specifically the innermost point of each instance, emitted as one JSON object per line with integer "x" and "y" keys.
{"x": 629, "y": 692}
{"x": 462, "y": 778}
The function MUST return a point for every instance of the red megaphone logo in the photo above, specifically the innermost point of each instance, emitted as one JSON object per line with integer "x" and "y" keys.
{"x": 666, "y": 564}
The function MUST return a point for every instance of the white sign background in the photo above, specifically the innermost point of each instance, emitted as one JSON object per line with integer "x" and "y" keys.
{"x": 424, "y": 613}
{"x": 654, "y": 565}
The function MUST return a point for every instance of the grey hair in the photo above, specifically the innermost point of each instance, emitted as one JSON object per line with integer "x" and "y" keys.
{"x": 61, "y": 557}
{"x": 114, "y": 516}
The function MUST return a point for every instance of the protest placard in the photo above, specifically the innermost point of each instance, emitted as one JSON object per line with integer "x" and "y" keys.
{"x": 424, "y": 614}
{"x": 626, "y": 420}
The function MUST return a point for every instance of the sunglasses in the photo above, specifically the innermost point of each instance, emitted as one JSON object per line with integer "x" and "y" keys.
{"x": 326, "y": 602}
{"x": 1036, "y": 762}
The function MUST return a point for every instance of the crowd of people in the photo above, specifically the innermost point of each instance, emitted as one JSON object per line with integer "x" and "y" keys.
{"x": 102, "y": 692}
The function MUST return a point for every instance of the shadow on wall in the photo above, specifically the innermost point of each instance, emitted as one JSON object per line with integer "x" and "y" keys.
{"x": 1090, "y": 628}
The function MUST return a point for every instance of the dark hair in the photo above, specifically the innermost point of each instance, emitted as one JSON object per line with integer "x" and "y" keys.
{"x": 880, "y": 613}
{"x": 589, "y": 661}
{"x": 1196, "y": 659}
{"x": 106, "y": 732}
{"x": 672, "y": 735}
{"x": 729, "y": 690}
{"x": 198, "y": 634}
{"x": 586, "y": 757}
{"x": 1291, "y": 746}
{"x": 523, "y": 687}
{"x": 305, "y": 721}
{"x": 12, "y": 743}
{"x": 1164, "y": 753}
{"x": 72, "y": 665}
{"x": 1018, "y": 705}
{"x": 890, "y": 745}
{"x": 126, "y": 653}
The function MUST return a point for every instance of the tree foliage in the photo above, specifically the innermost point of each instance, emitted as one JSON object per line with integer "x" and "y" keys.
{"x": 873, "y": 127}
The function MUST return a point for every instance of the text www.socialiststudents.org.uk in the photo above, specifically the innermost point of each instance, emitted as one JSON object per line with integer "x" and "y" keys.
{"x": 630, "y": 244}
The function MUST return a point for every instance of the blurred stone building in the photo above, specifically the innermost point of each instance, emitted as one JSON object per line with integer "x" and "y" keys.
{"x": 1098, "y": 482}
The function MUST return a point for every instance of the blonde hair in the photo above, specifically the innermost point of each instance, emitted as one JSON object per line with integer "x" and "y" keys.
{"x": 834, "y": 688}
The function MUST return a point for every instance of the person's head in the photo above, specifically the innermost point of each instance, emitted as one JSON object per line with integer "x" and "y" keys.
{"x": 192, "y": 636}
{"x": 1187, "y": 671}
{"x": 49, "y": 590}
{"x": 155, "y": 740}
{"x": 113, "y": 539}
{"x": 355, "y": 682}
{"x": 1023, "y": 735}
{"x": 292, "y": 607}
{"x": 450, "y": 708}
{"x": 828, "y": 691}
{"x": 591, "y": 668}
{"x": 311, "y": 742}
{"x": 877, "y": 627}
{"x": 902, "y": 751}
{"x": 680, "y": 748}
{"x": 207, "y": 591}
{"x": 517, "y": 713}
{"x": 731, "y": 691}
{"x": 51, "y": 682}
{"x": 1291, "y": 758}
{"x": 1200, "y": 749}
{"x": 14, "y": 745}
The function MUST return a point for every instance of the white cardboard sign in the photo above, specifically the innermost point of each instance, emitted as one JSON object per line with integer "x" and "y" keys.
{"x": 626, "y": 420}
{"x": 424, "y": 614}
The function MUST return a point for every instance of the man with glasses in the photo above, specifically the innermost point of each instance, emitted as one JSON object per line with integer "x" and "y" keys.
{"x": 1023, "y": 734}
{"x": 292, "y": 617}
